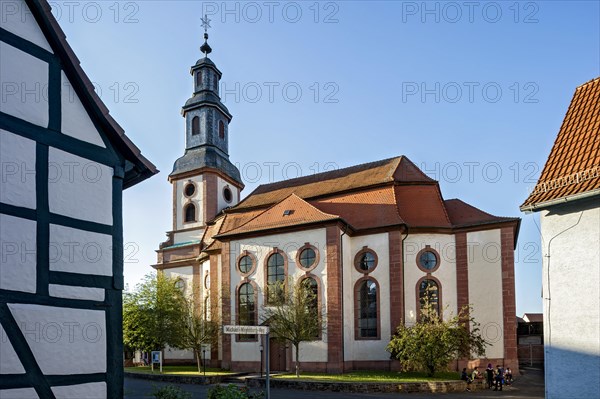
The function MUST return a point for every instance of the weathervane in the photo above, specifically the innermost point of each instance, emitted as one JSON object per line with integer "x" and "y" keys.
{"x": 205, "y": 48}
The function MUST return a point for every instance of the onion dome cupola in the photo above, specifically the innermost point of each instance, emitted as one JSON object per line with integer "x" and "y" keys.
{"x": 206, "y": 121}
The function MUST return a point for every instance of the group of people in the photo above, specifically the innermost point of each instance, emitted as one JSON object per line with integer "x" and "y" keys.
{"x": 495, "y": 377}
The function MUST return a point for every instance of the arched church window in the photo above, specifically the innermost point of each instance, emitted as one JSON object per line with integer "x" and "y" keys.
{"x": 195, "y": 125}
{"x": 190, "y": 213}
{"x": 312, "y": 286}
{"x": 275, "y": 278}
{"x": 367, "y": 307}
{"x": 246, "y": 309}
{"x": 221, "y": 130}
{"x": 429, "y": 298}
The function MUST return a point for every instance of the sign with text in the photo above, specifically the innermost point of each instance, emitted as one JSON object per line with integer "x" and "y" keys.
{"x": 260, "y": 330}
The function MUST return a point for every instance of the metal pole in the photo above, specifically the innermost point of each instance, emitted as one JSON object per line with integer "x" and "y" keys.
{"x": 204, "y": 359}
{"x": 267, "y": 385}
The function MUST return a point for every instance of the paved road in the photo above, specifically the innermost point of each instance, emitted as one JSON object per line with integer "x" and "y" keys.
{"x": 529, "y": 385}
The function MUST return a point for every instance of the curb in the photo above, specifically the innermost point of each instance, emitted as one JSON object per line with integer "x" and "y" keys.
{"x": 366, "y": 387}
{"x": 181, "y": 379}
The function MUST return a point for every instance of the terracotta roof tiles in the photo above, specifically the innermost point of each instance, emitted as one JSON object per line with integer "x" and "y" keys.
{"x": 573, "y": 166}
{"x": 337, "y": 181}
{"x": 292, "y": 211}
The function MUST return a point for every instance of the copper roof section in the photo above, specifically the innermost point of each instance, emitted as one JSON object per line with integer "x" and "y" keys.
{"x": 573, "y": 166}
{"x": 292, "y": 211}
{"x": 399, "y": 169}
{"x": 141, "y": 168}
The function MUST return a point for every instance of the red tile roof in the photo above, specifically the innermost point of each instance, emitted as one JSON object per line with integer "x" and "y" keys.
{"x": 372, "y": 208}
{"x": 533, "y": 317}
{"x": 399, "y": 169}
{"x": 462, "y": 214}
{"x": 422, "y": 206}
{"x": 573, "y": 166}
{"x": 380, "y": 194}
{"x": 292, "y": 211}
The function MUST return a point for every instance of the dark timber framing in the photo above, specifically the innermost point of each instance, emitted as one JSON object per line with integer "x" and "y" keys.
{"x": 111, "y": 156}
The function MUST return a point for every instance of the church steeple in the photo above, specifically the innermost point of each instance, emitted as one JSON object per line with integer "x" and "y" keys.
{"x": 205, "y": 181}
{"x": 207, "y": 120}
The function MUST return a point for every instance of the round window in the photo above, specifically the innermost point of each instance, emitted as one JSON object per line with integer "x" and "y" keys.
{"x": 227, "y": 194}
{"x": 307, "y": 257}
{"x": 428, "y": 260}
{"x": 365, "y": 260}
{"x": 189, "y": 189}
{"x": 245, "y": 264}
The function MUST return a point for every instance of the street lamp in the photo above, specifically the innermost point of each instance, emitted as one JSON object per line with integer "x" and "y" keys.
{"x": 261, "y": 348}
{"x": 204, "y": 358}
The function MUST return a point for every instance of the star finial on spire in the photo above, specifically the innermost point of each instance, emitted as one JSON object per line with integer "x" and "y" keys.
{"x": 205, "y": 48}
{"x": 205, "y": 23}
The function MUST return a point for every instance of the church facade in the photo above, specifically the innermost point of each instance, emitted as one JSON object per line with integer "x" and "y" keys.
{"x": 370, "y": 238}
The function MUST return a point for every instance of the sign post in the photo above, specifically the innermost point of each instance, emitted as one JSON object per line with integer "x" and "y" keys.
{"x": 258, "y": 330}
{"x": 156, "y": 358}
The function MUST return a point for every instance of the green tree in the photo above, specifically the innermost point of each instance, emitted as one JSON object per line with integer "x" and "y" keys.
{"x": 154, "y": 314}
{"x": 431, "y": 343}
{"x": 200, "y": 329}
{"x": 296, "y": 317}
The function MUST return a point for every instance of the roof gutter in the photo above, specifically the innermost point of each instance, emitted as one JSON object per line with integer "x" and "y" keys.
{"x": 559, "y": 201}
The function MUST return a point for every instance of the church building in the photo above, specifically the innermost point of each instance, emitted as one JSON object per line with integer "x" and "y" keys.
{"x": 369, "y": 238}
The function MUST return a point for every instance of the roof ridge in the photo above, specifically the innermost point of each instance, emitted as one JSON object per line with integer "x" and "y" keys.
{"x": 587, "y": 83}
{"x": 347, "y": 168}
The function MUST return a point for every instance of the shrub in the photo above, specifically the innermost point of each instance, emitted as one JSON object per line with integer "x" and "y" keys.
{"x": 170, "y": 392}
{"x": 231, "y": 391}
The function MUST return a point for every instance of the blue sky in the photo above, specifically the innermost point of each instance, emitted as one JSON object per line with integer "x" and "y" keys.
{"x": 472, "y": 92}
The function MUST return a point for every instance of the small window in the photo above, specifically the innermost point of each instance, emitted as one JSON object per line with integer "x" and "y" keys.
{"x": 367, "y": 308}
{"x": 307, "y": 257}
{"x": 199, "y": 80}
{"x": 428, "y": 259}
{"x": 365, "y": 260}
{"x": 245, "y": 264}
{"x": 189, "y": 189}
{"x": 195, "y": 126}
{"x": 190, "y": 213}
{"x": 227, "y": 194}
{"x": 221, "y": 130}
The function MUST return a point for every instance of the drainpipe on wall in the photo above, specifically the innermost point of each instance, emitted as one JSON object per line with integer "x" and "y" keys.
{"x": 342, "y": 292}
{"x": 403, "y": 284}
{"x": 548, "y": 322}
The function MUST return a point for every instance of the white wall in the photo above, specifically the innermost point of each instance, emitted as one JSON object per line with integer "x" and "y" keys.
{"x": 485, "y": 287}
{"x": 24, "y": 83}
{"x": 314, "y": 351}
{"x": 18, "y": 19}
{"x": 571, "y": 281}
{"x": 185, "y": 273}
{"x": 366, "y": 349}
{"x": 17, "y": 157}
{"x": 181, "y": 200}
{"x": 221, "y": 203}
{"x": 445, "y": 246}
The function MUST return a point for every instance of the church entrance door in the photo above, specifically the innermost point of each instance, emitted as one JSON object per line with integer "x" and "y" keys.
{"x": 277, "y": 355}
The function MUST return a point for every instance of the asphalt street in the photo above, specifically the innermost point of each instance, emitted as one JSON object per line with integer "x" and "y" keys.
{"x": 529, "y": 385}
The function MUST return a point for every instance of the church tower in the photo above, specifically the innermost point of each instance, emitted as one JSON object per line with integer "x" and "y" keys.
{"x": 204, "y": 179}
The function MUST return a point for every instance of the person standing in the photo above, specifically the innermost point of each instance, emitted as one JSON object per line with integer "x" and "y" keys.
{"x": 489, "y": 371}
{"x": 499, "y": 378}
